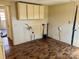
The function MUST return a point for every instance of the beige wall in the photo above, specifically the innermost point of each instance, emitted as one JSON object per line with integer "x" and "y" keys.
{"x": 2, "y": 2}
{"x": 61, "y": 16}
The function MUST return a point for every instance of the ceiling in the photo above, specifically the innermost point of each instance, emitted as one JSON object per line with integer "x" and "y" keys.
{"x": 46, "y": 2}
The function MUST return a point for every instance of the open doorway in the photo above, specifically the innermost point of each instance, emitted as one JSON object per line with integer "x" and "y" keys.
{"x": 6, "y": 22}
{"x": 6, "y": 28}
{"x": 3, "y": 25}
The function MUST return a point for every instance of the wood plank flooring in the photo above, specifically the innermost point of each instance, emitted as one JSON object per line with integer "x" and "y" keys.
{"x": 43, "y": 49}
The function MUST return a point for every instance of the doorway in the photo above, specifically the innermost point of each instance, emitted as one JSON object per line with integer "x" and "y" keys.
{"x": 6, "y": 27}
{"x": 3, "y": 26}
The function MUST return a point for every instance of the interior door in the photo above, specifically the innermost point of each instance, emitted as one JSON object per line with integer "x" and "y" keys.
{"x": 8, "y": 22}
{"x": 76, "y": 35}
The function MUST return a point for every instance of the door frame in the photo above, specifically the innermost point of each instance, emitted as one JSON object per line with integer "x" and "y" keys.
{"x": 9, "y": 21}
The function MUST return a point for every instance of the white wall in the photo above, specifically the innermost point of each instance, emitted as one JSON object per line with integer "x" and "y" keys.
{"x": 61, "y": 16}
{"x": 35, "y": 24}
{"x": 22, "y": 34}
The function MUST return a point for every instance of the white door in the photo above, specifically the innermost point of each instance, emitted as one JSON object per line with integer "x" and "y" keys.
{"x": 76, "y": 35}
{"x": 76, "y": 38}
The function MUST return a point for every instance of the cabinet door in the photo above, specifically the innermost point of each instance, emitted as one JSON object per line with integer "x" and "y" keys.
{"x": 30, "y": 11}
{"x": 22, "y": 11}
{"x": 36, "y": 11}
{"x": 42, "y": 12}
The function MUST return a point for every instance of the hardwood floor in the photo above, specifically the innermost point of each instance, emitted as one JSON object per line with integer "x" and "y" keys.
{"x": 7, "y": 45}
{"x": 42, "y": 49}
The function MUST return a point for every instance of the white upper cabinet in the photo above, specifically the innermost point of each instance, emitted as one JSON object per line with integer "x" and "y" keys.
{"x": 42, "y": 12}
{"x": 30, "y": 11}
{"x": 36, "y": 11}
{"x": 22, "y": 11}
